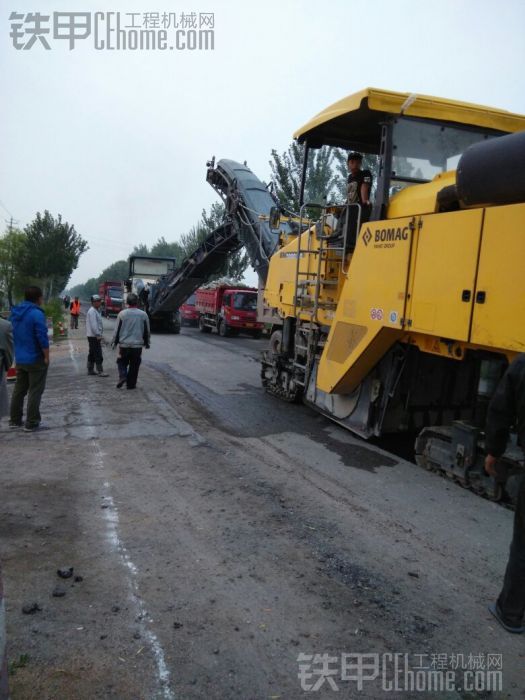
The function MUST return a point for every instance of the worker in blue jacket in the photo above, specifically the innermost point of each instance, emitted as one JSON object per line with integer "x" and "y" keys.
{"x": 32, "y": 359}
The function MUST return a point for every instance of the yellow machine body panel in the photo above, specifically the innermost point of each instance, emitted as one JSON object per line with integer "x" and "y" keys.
{"x": 280, "y": 285}
{"x": 280, "y": 290}
{"x": 499, "y": 299}
{"x": 445, "y": 262}
{"x": 419, "y": 199}
{"x": 371, "y": 309}
{"x": 448, "y": 280}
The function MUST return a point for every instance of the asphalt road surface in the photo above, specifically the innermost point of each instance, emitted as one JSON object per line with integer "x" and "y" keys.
{"x": 233, "y": 546}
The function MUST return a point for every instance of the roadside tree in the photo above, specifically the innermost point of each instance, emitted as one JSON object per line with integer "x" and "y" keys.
{"x": 12, "y": 250}
{"x": 52, "y": 252}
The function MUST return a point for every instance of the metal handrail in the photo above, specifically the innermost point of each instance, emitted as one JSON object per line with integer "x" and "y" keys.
{"x": 322, "y": 238}
{"x": 306, "y": 205}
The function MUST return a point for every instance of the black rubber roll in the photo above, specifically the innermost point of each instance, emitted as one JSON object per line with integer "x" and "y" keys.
{"x": 493, "y": 171}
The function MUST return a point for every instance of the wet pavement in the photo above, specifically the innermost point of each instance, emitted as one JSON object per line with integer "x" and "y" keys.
{"x": 220, "y": 534}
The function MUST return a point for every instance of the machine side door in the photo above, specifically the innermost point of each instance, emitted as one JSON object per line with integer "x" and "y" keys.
{"x": 444, "y": 274}
{"x": 499, "y": 300}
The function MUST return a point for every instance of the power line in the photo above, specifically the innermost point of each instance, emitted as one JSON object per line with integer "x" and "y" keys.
{"x": 7, "y": 210}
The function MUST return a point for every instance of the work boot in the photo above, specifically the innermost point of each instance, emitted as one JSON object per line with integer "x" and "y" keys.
{"x": 100, "y": 371}
{"x": 514, "y": 627}
{"x": 91, "y": 370}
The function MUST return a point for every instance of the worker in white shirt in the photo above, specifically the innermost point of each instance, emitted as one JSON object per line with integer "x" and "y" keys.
{"x": 132, "y": 333}
{"x": 94, "y": 331}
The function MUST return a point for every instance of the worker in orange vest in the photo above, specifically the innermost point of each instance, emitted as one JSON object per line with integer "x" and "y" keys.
{"x": 74, "y": 309}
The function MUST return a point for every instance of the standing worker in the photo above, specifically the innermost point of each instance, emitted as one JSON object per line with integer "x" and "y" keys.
{"x": 507, "y": 408}
{"x": 132, "y": 333}
{"x": 74, "y": 310}
{"x": 94, "y": 331}
{"x": 359, "y": 184}
{"x": 6, "y": 360}
{"x": 32, "y": 359}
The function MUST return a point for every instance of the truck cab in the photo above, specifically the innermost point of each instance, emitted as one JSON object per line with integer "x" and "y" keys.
{"x": 188, "y": 312}
{"x": 228, "y": 310}
{"x": 111, "y": 293}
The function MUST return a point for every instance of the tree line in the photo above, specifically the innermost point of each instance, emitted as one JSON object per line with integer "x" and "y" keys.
{"x": 43, "y": 253}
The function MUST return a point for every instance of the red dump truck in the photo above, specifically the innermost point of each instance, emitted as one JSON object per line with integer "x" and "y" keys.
{"x": 111, "y": 294}
{"x": 189, "y": 316}
{"x": 228, "y": 310}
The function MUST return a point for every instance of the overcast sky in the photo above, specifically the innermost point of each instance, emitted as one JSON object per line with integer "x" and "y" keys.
{"x": 117, "y": 141}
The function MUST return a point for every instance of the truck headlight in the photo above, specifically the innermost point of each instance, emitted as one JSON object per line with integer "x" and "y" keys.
{"x": 235, "y": 318}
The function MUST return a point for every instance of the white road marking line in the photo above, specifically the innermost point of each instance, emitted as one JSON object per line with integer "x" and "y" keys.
{"x": 112, "y": 522}
{"x": 111, "y": 517}
{"x": 72, "y": 355}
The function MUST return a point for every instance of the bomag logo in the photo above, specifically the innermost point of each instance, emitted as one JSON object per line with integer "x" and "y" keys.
{"x": 386, "y": 237}
{"x": 391, "y": 234}
{"x": 367, "y": 236}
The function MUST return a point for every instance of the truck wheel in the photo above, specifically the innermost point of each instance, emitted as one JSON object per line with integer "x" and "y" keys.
{"x": 171, "y": 326}
{"x": 203, "y": 327}
{"x": 223, "y": 329}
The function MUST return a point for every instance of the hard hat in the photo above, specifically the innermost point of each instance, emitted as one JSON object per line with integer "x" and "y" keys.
{"x": 95, "y": 297}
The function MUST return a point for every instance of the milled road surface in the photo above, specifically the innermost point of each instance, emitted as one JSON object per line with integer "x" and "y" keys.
{"x": 220, "y": 533}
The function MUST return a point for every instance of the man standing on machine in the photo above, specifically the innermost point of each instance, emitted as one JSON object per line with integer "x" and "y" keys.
{"x": 359, "y": 184}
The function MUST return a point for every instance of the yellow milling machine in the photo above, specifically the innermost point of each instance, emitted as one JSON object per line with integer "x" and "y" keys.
{"x": 405, "y": 322}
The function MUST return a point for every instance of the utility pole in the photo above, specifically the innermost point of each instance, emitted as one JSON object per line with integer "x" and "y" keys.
{"x": 10, "y": 224}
